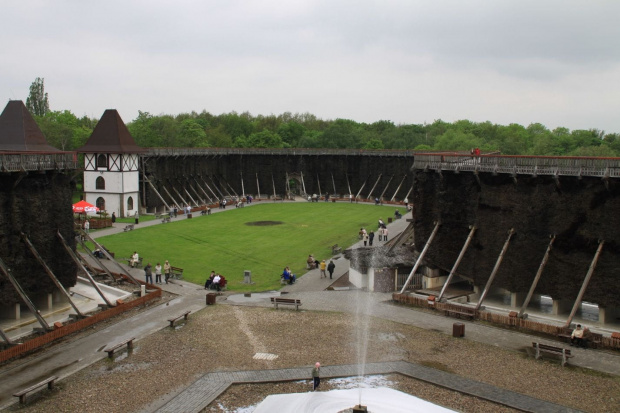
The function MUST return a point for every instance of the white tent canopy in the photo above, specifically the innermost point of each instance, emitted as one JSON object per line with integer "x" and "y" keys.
{"x": 382, "y": 399}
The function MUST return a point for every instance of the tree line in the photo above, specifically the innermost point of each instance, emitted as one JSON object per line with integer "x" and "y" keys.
{"x": 67, "y": 132}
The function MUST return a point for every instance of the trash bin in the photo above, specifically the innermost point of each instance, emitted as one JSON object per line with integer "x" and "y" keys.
{"x": 211, "y": 298}
{"x": 137, "y": 221}
{"x": 389, "y": 220}
{"x": 458, "y": 330}
{"x": 189, "y": 216}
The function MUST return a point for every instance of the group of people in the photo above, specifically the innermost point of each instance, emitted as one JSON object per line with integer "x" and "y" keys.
{"x": 215, "y": 281}
{"x": 313, "y": 263}
{"x": 159, "y": 270}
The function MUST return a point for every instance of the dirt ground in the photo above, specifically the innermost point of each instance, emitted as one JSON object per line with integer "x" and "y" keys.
{"x": 225, "y": 338}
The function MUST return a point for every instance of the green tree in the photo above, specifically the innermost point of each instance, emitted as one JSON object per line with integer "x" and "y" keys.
{"x": 191, "y": 135}
{"x": 264, "y": 139}
{"x": 373, "y": 143}
{"x": 37, "y": 102}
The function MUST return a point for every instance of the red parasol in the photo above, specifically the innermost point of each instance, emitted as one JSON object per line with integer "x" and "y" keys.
{"x": 84, "y": 207}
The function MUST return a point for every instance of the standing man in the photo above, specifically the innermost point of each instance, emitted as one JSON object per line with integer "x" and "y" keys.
{"x": 158, "y": 273}
{"x": 167, "y": 270}
{"x": 148, "y": 273}
{"x": 371, "y": 237}
{"x": 330, "y": 268}
{"x": 86, "y": 226}
{"x": 323, "y": 266}
{"x": 316, "y": 376}
{"x": 137, "y": 217}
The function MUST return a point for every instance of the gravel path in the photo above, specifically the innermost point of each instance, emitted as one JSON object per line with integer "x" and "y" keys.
{"x": 225, "y": 338}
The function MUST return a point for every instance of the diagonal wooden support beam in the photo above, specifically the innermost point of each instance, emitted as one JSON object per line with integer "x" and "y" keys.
{"x": 457, "y": 262}
{"x": 487, "y": 287}
{"x": 49, "y": 272}
{"x": 77, "y": 261}
{"x": 586, "y": 281}
{"x": 24, "y": 296}
{"x": 543, "y": 263}
{"x": 422, "y": 254}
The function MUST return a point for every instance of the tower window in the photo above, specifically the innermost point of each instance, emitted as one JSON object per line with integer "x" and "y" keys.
{"x": 100, "y": 183}
{"x": 102, "y": 161}
{"x": 129, "y": 203}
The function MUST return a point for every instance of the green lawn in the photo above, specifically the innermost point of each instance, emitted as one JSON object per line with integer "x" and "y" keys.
{"x": 225, "y": 243}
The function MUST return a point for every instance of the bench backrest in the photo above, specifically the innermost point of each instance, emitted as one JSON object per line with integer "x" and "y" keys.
{"x": 547, "y": 347}
{"x": 284, "y": 300}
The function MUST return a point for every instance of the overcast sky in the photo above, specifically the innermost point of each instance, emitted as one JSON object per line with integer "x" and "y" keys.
{"x": 556, "y": 62}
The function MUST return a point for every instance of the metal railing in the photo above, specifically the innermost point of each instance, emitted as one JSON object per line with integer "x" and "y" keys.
{"x": 520, "y": 165}
{"x": 37, "y": 161}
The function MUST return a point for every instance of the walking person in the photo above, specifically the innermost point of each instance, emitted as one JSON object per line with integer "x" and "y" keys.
{"x": 148, "y": 273}
{"x": 323, "y": 266}
{"x": 167, "y": 271}
{"x": 158, "y": 273}
{"x": 316, "y": 376}
{"x": 113, "y": 217}
{"x": 330, "y": 268}
{"x": 385, "y": 234}
{"x": 371, "y": 237}
{"x": 365, "y": 239}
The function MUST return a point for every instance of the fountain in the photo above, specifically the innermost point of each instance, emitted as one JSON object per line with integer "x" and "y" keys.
{"x": 379, "y": 399}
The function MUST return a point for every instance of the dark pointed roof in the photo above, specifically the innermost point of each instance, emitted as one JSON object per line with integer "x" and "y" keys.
{"x": 19, "y": 132}
{"x": 110, "y": 136}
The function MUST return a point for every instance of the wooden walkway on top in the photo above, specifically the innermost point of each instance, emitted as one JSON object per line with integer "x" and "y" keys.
{"x": 519, "y": 165}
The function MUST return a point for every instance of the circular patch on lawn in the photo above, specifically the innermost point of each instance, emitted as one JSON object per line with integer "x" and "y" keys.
{"x": 264, "y": 223}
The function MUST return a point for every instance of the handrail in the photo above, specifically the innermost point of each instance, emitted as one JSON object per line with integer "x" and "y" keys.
{"x": 520, "y": 165}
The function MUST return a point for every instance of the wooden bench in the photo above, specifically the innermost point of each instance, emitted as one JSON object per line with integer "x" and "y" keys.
{"x": 336, "y": 249}
{"x": 176, "y": 272}
{"x": 185, "y": 315}
{"x": 285, "y": 301}
{"x": 565, "y": 335}
{"x": 593, "y": 339}
{"x": 22, "y": 393}
{"x": 460, "y": 313}
{"x": 129, "y": 261}
{"x": 111, "y": 350}
{"x": 128, "y": 227}
{"x": 558, "y": 351}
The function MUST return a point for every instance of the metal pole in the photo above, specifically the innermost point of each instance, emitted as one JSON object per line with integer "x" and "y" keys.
{"x": 541, "y": 267}
{"x": 242, "y": 186}
{"x": 586, "y": 281}
{"x": 318, "y": 183}
{"x": 24, "y": 296}
{"x": 495, "y": 269}
{"x": 49, "y": 272}
{"x": 273, "y": 186}
{"x": 422, "y": 254}
{"x": 458, "y": 261}
{"x": 333, "y": 183}
{"x": 257, "y": 186}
